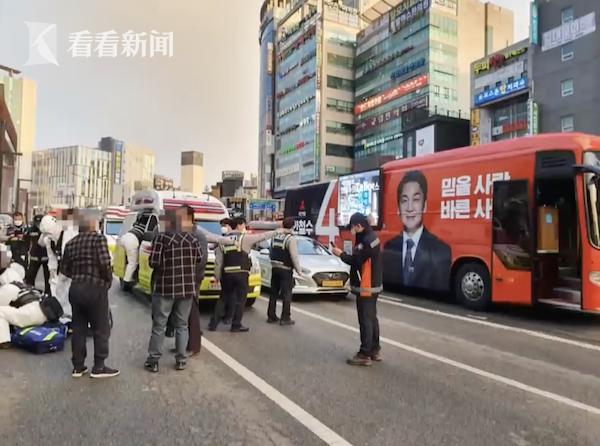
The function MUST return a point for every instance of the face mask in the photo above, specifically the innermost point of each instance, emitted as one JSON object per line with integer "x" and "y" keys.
{"x": 18, "y": 222}
{"x": 224, "y": 230}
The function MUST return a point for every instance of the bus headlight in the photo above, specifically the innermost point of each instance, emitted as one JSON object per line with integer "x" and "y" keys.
{"x": 595, "y": 277}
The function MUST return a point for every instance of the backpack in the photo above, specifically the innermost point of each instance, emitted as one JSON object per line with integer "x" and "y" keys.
{"x": 46, "y": 338}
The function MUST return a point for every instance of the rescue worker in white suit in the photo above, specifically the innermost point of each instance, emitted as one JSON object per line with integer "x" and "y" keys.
{"x": 131, "y": 242}
{"x": 24, "y": 316}
{"x": 54, "y": 239}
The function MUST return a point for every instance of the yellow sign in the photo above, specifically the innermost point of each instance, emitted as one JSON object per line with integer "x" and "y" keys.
{"x": 475, "y": 126}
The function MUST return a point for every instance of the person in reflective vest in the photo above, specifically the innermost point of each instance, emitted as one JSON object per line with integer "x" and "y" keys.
{"x": 366, "y": 283}
{"x": 16, "y": 239}
{"x": 38, "y": 256}
{"x": 284, "y": 260}
{"x": 232, "y": 268}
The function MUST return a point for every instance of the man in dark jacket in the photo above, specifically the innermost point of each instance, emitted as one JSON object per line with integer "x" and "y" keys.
{"x": 38, "y": 256}
{"x": 366, "y": 284}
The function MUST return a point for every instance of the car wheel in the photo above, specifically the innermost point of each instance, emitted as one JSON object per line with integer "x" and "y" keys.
{"x": 472, "y": 286}
{"x": 250, "y": 301}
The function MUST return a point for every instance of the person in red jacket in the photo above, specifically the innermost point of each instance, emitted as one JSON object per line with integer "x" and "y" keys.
{"x": 366, "y": 283}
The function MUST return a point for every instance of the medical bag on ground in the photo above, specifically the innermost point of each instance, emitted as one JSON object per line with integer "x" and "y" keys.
{"x": 41, "y": 339}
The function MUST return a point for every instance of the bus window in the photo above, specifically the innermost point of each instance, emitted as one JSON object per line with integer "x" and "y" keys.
{"x": 511, "y": 229}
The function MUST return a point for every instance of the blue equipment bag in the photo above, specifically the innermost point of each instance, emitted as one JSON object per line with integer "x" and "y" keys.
{"x": 41, "y": 339}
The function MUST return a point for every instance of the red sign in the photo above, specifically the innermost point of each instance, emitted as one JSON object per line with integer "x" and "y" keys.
{"x": 393, "y": 93}
{"x": 514, "y": 126}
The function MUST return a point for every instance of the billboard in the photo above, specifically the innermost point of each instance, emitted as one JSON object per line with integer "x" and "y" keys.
{"x": 404, "y": 88}
{"x": 360, "y": 192}
{"x": 425, "y": 140}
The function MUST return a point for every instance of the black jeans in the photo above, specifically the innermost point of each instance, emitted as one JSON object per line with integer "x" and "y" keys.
{"x": 32, "y": 271}
{"x": 282, "y": 283}
{"x": 225, "y": 306}
{"x": 237, "y": 286}
{"x": 369, "y": 324}
{"x": 90, "y": 306}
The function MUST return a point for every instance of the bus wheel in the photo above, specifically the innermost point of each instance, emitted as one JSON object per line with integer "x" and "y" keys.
{"x": 250, "y": 301}
{"x": 472, "y": 286}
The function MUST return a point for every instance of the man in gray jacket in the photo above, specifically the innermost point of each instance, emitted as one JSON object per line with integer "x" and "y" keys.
{"x": 284, "y": 260}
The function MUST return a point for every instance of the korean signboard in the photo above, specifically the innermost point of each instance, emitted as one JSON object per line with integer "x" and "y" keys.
{"x": 534, "y": 26}
{"x": 569, "y": 31}
{"x": 396, "y": 113}
{"x": 393, "y": 93}
{"x": 498, "y": 60}
{"x": 407, "y": 68}
{"x": 475, "y": 125}
{"x": 503, "y": 90}
{"x": 407, "y": 12}
{"x": 533, "y": 117}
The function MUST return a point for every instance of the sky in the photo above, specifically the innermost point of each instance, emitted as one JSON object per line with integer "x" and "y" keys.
{"x": 204, "y": 97}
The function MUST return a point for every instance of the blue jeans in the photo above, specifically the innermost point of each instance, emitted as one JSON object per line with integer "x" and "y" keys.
{"x": 161, "y": 309}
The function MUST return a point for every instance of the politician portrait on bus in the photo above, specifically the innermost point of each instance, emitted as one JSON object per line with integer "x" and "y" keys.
{"x": 416, "y": 258}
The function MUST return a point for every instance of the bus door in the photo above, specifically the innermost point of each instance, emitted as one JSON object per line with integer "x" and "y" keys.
{"x": 511, "y": 243}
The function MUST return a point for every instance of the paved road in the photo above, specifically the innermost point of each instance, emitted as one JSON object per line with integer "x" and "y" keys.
{"x": 449, "y": 377}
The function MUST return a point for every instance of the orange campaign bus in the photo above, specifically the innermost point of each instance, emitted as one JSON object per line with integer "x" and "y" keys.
{"x": 514, "y": 221}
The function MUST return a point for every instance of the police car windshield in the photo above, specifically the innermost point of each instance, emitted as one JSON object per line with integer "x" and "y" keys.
{"x": 309, "y": 247}
{"x": 210, "y": 226}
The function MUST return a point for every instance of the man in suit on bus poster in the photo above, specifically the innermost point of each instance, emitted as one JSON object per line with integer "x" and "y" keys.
{"x": 416, "y": 258}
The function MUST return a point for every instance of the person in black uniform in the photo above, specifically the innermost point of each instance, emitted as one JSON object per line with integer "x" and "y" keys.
{"x": 16, "y": 240}
{"x": 38, "y": 256}
{"x": 232, "y": 268}
{"x": 284, "y": 260}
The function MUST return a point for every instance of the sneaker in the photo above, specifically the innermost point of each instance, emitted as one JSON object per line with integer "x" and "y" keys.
{"x": 180, "y": 365}
{"x": 5, "y": 346}
{"x": 287, "y": 322}
{"x": 360, "y": 359}
{"x": 376, "y": 356}
{"x": 104, "y": 372}
{"x": 240, "y": 329}
{"x": 151, "y": 366}
{"x": 272, "y": 320}
{"x": 79, "y": 372}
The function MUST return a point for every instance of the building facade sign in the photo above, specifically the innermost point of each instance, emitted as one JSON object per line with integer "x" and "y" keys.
{"x": 509, "y": 128}
{"x": 503, "y": 90}
{"x": 533, "y": 117}
{"x": 513, "y": 70}
{"x": 393, "y": 93}
{"x": 569, "y": 31}
{"x": 498, "y": 60}
{"x": 407, "y": 68}
{"x": 407, "y": 12}
{"x": 534, "y": 27}
{"x": 475, "y": 126}
{"x": 376, "y": 121}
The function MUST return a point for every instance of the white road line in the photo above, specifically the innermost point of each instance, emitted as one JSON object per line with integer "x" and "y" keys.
{"x": 310, "y": 422}
{"x": 473, "y": 320}
{"x": 462, "y": 366}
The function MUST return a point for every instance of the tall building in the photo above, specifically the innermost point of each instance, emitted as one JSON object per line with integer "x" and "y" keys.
{"x": 192, "y": 172}
{"x": 412, "y": 74}
{"x": 231, "y": 181}
{"x": 502, "y": 107}
{"x": 314, "y": 93}
{"x": 566, "y": 64}
{"x": 74, "y": 176}
{"x": 20, "y": 95}
{"x": 132, "y": 168}
{"x": 8, "y": 150}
